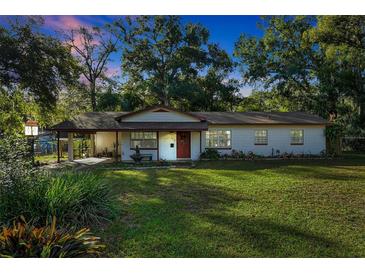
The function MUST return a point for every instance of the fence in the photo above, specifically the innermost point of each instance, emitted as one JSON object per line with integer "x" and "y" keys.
{"x": 47, "y": 145}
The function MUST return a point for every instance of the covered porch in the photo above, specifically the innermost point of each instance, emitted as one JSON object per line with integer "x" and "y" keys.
{"x": 160, "y": 132}
{"x": 157, "y": 144}
{"x": 90, "y": 144}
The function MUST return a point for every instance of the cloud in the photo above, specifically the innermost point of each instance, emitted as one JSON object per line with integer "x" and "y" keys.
{"x": 246, "y": 90}
{"x": 113, "y": 71}
{"x": 64, "y": 22}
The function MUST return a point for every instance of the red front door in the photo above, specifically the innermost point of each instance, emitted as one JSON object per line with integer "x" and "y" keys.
{"x": 183, "y": 144}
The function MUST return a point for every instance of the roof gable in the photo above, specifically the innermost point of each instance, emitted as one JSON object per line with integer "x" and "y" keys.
{"x": 160, "y": 114}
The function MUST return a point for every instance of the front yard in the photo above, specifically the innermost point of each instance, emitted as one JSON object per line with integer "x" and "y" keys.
{"x": 312, "y": 208}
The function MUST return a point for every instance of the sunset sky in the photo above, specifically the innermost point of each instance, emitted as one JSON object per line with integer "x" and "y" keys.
{"x": 224, "y": 30}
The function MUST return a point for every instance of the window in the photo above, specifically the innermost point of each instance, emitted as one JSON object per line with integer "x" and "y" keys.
{"x": 218, "y": 139}
{"x": 144, "y": 140}
{"x": 261, "y": 137}
{"x": 297, "y": 136}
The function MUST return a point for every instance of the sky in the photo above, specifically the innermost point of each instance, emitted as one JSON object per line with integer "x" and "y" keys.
{"x": 224, "y": 30}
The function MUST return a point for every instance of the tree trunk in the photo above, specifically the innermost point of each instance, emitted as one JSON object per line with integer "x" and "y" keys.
{"x": 362, "y": 112}
{"x": 93, "y": 95}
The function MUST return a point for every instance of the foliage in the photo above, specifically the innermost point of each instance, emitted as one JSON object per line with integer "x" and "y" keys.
{"x": 20, "y": 182}
{"x": 93, "y": 47}
{"x": 265, "y": 101}
{"x": 341, "y": 39}
{"x": 317, "y": 63}
{"x": 23, "y": 240}
{"x": 13, "y": 112}
{"x": 210, "y": 153}
{"x": 333, "y": 134}
{"x": 81, "y": 199}
{"x": 109, "y": 101}
{"x": 174, "y": 62}
{"x": 35, "y": 62}
{"x": 77, "y": 199}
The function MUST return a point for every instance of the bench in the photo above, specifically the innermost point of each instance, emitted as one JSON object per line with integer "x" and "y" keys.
{"x": 148, "y": 156}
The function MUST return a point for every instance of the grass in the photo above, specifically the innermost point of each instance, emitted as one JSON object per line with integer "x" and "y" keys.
{"x": 48, "y": 159}
{"x": 311, "y": 208}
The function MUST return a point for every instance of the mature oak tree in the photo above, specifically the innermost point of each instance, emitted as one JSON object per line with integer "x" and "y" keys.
{"x": 171, "y": 60}
{"x": 33, "y": 62}
{"x": 316, "y": 62}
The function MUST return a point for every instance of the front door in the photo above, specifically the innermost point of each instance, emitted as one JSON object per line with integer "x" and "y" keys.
{"x": 183, "y": 144}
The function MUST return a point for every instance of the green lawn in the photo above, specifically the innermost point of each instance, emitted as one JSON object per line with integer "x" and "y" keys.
{"x": 240, "y": 209}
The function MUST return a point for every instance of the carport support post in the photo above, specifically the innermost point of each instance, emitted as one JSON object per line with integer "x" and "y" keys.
{"x": 92, "y": 142}
{"x": 70, "y": 146}
{"x": 58, "y": 146}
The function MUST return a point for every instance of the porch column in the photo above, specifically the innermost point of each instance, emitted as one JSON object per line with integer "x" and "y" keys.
{"x": 58, "y": 146}
{"x": 116, "y": 146}
{"x": 92, "y": 144}
{"x": 158, "y": 145}
{"x": 70, "y": 146}
{"x": 200, "y": 142}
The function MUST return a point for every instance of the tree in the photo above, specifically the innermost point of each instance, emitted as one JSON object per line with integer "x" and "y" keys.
{"x": 33, "y": 62}
{"x": 170, "y": 60}
{"x": 109, "y": 97}
{"x": 283, "y": 59}
{"x": 92, "y": 48}
{"x": 315, "y": 62}
{"x": 265, "y": 101}
{"x": 342, "y": 40}
{"x": 13, "y": 112}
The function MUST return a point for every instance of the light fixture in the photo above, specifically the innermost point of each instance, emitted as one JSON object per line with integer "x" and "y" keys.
{"x": 31, "y": 128}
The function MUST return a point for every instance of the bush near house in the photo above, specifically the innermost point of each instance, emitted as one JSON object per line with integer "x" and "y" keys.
{"x": 210, "y": 153}
{"x": 213, "y": 154}
{"x": 23, "y": 240}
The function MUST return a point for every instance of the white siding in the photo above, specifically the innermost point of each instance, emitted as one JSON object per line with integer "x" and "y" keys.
{"x": 243, "y": 138}
{"x": 195, "y": 145}
{"x": 150, "y": 116}
{"x": 166, "y": 151}
{"x": 166, "y": 139}
{"x": 106, "y": 140}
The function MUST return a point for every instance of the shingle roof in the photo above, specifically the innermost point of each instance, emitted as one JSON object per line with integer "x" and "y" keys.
{"x": 91, "y": 121}
{"x": 107, "y": 121}
{"x": 163, "y": 126}
{"x": 253, "y": 118}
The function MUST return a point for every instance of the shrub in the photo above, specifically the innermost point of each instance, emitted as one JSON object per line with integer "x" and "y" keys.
{"x": 24, "y": 240}
{"x": 19, "y": 180}
{"x": 210, "y": 153}
{"x": 78, "y": 199}
{"x": 235, "y": 154}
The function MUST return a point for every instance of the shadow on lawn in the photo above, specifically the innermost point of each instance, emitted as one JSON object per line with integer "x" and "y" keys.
{"x": 270, "y": 239}
{"x": 277, "y": 164}
{"x": 180, "y": 216}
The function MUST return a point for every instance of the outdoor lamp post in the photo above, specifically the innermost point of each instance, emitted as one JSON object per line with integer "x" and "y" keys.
{"x": 31, "y": 130}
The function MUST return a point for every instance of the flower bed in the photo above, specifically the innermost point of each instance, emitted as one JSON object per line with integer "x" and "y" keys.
{"x": 213, "y": 154}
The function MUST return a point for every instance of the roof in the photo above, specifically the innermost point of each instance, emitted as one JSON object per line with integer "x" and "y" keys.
{"x": 91, "y": 121}
{"x": 266, "y": 118}
{"x": 159, "y": 108}
{"x": 163, "y": 126}
{"x": 107, "y": 121}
